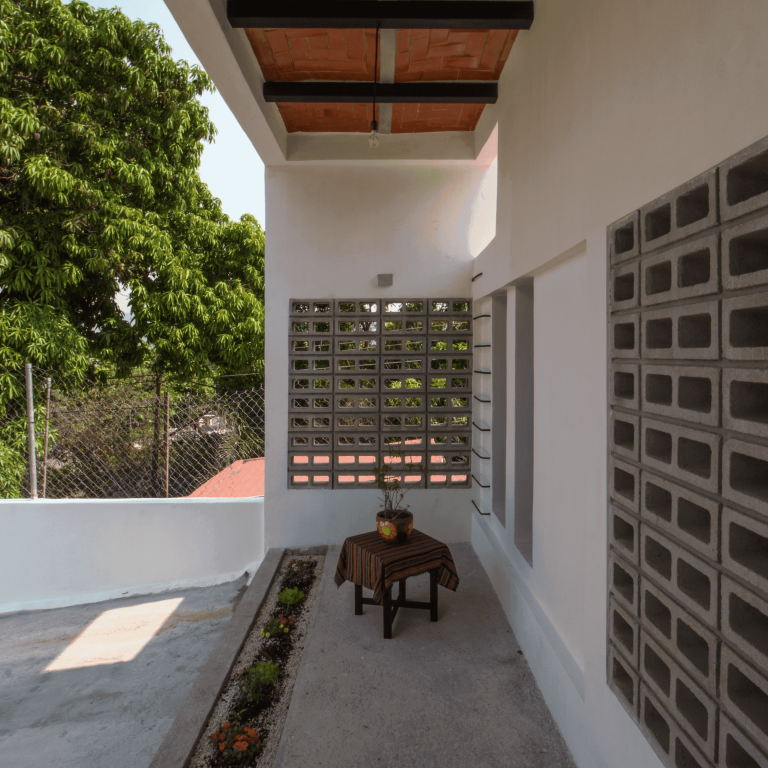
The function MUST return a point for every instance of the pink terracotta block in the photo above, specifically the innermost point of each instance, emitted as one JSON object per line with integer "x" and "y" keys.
{"x": 475, "y": 74}
{"x": 355, "y": 44}
{"x": 439, "y": 74}
{"x": 256, "y": 35}
{"x": 463, "y": 62}
{"x": 337, "y": 38}
{"x": 475, "y": 44}
{"x": 497, "y": 38}
{"x": 328, "y": 54}
{"x": 299, "y": 49}
{"x": 278, "y": 41}
{"x": 419, "y": 49}
{"x": 303, "y": 32}
{"x": 438, "y": 36}
{"x": 402, "y": 61}
{"x": 417, "y": 34}
{"x": 318, "y": 41}
{"x": 426, "y": 64}
{"x": 457, "y": 36}
{"x": 285, "y": 62}
{"x": 271, "y": 72}
{"x": 407, "y": 77}
{"x": 403, "y": 40}
{"x": 488, "y": 59}
{"x": 338, "y": 66}
{"x": 441, "y": 51}
{"x": 316, "y": 110}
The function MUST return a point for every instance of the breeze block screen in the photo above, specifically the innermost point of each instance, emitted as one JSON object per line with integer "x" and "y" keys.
{"x": 688, "y": 466}
{"x": 371, "y": 377}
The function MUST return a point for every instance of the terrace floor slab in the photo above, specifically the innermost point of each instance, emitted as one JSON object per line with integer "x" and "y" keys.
{"x": 448, "y": 694}
{"x": 94, "y": 709}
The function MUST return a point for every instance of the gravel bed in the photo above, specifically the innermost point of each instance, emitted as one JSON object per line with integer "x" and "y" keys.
{"x": 271, "y": 721}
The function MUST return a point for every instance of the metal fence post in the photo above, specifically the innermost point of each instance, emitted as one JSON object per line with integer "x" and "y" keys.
{"x": 31, "y": 431}
{"x": 47, "y": 420}
{"x": 167, "y": 439}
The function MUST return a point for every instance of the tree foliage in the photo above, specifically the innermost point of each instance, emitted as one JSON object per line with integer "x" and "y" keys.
{"x": 101, "y": 135}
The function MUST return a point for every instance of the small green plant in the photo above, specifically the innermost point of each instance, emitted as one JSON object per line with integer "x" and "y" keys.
{"x": 296, "y": 573}
{"x": 277, "y": 627}
{"x": 260, "y": 677}
{"x": 292, "y": 596}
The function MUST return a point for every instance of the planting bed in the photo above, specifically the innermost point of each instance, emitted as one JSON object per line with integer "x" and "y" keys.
{"x": 244, "y": 732}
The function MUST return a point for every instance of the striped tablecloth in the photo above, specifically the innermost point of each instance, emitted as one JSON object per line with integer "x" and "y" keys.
{"x": 376, "y": 564}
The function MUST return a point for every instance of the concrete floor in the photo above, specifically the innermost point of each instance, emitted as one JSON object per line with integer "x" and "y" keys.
{"x": 96, "y": 711}
{"x": 456, "y": 693}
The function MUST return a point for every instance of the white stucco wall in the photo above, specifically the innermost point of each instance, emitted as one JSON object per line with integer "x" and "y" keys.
{"x": 331, "y": 231}
{"x": 70, "y": 552}
{"x": 603, "y": 106}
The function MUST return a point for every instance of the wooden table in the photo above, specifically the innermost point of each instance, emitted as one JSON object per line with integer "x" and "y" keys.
{"x": 369, "y": 561}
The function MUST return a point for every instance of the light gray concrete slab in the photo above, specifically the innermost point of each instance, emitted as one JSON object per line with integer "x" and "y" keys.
{"x": 453, "y": 693}
{"x": 114, "y": 714}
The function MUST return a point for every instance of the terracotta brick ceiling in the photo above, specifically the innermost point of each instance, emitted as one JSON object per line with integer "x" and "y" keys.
{"x": 348, "y": 55}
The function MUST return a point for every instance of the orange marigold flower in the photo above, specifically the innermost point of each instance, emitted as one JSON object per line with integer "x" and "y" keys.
{"x": 251, "y": 732}
{"x": 290, "y": 620}
{"x": 227, "y": 726}
{"x": 222, "y": 747}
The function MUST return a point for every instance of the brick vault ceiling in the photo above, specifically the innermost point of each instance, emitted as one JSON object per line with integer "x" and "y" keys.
{"x": 348, "y": 55}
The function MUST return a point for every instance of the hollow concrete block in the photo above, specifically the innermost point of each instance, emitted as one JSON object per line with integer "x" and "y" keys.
{"x": 688, "y": 516}
{"x": 625, "y": 582}
{"x": 745, "y": 401}
{"x": 689, "y": 393}
{"x": 625, "y": 434}
{"x": 624, "y": 238}
{"x": 745, "y": 548}
{"x": 684, "y": 272}
{"x": 692, "y": 582}
{"x": 625, "y": 385}
{"x": 681, "y": 696}
{"x": 745, "y": 254}
{"x": 745, "y": 327}
{"x": 689, "y": 332}
{"x": 684, "y": 637}
{"x": 736, "y": 750}
{"x": 623, "y": 680}
{"x": 743, "y": 181}
{"x": 625, "y": 534}
{"x": 744, "y": 622}
{"x": 744, "y": 695}
{"x": 624, "y": 289}
{"x": 669, "y": 741}
{"x": 745, "y": 474}
{"x": 689, "y": 454}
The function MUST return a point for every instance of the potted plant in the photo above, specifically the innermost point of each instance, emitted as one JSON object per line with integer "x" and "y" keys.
{"x": 394, "y": 522}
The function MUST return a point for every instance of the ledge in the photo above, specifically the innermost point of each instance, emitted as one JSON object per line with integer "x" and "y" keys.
{"x": 179, "y": 744}
{"x": 571, "y": 666}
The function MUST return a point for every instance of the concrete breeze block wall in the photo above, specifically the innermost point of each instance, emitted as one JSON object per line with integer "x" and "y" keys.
{"x": 688, "y": 466}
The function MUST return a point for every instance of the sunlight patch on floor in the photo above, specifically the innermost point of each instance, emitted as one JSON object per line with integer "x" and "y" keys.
{"x": 116, "y": 635}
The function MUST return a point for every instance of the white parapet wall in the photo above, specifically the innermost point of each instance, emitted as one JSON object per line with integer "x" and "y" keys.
{"x": 70, "y": 552}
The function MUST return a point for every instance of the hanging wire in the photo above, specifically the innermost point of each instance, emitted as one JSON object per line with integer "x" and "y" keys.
{"x": 374, "y": 122}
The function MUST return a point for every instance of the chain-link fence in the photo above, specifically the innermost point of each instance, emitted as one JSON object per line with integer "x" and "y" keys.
{"x": 123, "y": 438}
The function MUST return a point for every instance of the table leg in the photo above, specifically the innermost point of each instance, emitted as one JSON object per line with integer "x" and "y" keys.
{"x": 433, "y": 595}
{"x": 388, "y": 613}
{"x": 401, "y": 590}
{"x": 358, "y": 600}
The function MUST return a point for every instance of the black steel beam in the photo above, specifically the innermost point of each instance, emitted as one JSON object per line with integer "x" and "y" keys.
{"x": 392, "y": 14}
{"x": 386, "y": 93}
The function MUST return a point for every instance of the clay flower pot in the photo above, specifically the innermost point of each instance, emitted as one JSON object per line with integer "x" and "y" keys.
{"x": 395, "y": 531}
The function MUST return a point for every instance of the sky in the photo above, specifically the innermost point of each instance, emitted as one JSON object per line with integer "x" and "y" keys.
{"x": 230, "y": 167}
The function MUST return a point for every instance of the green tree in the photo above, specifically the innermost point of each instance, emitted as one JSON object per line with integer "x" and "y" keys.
{"x": 101, "y": 134}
